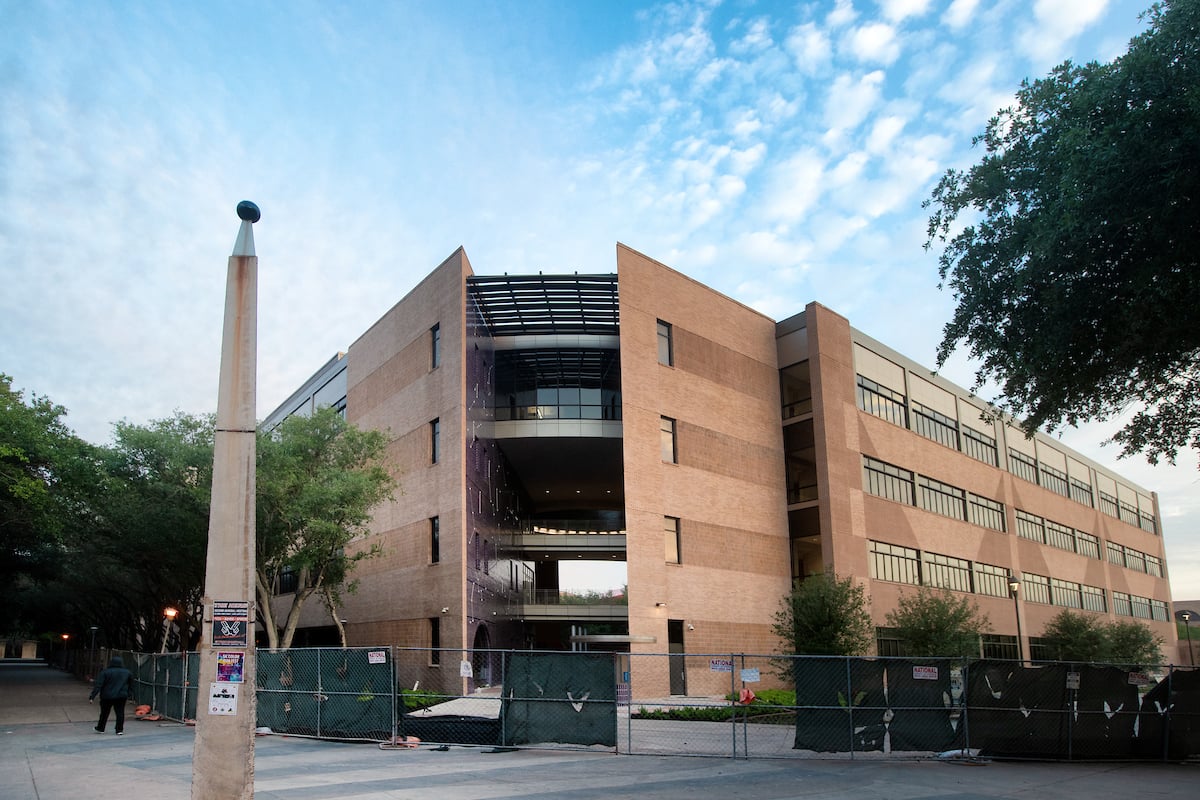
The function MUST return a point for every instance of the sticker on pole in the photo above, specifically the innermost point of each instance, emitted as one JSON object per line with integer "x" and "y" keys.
{"x": 222, "y": 699}
{"x": 230, "y": 623}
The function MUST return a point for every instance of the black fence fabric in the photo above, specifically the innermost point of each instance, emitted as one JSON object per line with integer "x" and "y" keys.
{"x": 560, "y": 697}
{"x": 882, "y": 707}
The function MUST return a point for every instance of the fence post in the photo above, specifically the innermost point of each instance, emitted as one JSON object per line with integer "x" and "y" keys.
{"x": 850, "y": 707}
{"x": 392, "y": 662}
{"x": 1166, "y": 716}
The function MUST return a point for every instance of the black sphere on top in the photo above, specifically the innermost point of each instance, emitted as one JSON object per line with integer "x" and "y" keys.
{"x": 248, "y": 211}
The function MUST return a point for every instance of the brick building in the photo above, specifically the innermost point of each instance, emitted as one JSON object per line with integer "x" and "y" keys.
{"x": 644, "y": 418}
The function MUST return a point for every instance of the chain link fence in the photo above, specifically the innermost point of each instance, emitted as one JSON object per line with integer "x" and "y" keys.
{"x": 730, "y": 705}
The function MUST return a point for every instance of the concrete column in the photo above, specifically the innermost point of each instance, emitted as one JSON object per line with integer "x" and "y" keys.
{"x": 223, "y": 756}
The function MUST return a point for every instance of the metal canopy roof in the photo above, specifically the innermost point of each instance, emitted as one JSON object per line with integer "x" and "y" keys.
{"x": 513, "y": 305}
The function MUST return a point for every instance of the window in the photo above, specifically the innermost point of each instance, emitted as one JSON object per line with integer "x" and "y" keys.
{"x": 1081, "y": 492}
{"x": 884, "y": 480}
{"x": 666, "y": 350}
{"x": 1135, "y": 559}
{"x": 882, "y": 402}
{"x": 1116, "y": 554}
{"x": 1148, "y": 522}
{"x": 980, "y": 446}
{"x": 890, "y": 562}
{"x": 986, "y": 512}
{"x": 435, "y": 435}
{"x": 1121, "y": 605}
{"x": 1087, "y": 545}
{"x": 941, "y": 498}
{"x": 947, "y": 572}
{"x": 795, "y": 390}
{"x": 1128, "y": 513}
{"x": 1154, "y": 566}
{"x": 435, "y": 641}
{"x": 888, "y": 642}
{"x": 1022, "y": 466}
{"x": 1002, "y": 647}
{"x": 435, "y": 346}
{"x": 289, "y": 581}
{"x": 990, "y": 579}
{"x": 1141, "y": 606}
{"x": 1055, "y": 480}
{"x": 435, "y": 548}
{"x": 1060, "y": 536}
{"x": 1066, "y": 593}
{"x": 1031, "y": 526}
{"x": 1036, "y": 588}
{"x": 1108, "y": 504}
{"x": 1093, "y": 598}
{"x": 671, "y": 539}
{"x": 666, "y": 438}
{"x": 1158, "y": 610}
{"x": 935, "y": 426}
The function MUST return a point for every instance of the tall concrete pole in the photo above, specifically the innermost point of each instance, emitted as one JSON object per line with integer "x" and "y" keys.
{"x": 223, "y": 756}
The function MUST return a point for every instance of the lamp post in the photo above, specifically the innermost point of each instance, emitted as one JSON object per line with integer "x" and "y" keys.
{"x": 66, "y": 660}
{"x": 92, "y": 658}
{"x": 169, "y": 615}
{"x": 1187, "y": 627}
{"x": 1014, "y": 589}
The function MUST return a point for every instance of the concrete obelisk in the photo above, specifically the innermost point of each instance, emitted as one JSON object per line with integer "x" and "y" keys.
{"x": 223, "y": 756}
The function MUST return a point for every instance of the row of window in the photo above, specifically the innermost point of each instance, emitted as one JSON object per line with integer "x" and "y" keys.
{"x": 1044, "y": 531}
{"x": 1134, "y": 559}
{"x": 894, "y": 483}
{"x": 898, "y": 564}
{"x": 1068, "y": 594}
{"x": 1130, "y": 605}
{"x": 888, "y": 404}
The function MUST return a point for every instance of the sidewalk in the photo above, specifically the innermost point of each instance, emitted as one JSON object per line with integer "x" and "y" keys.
{"x": 48, "y": 751}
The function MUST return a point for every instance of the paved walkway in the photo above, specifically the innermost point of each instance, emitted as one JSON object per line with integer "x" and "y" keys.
{"x": 48, "y": 751}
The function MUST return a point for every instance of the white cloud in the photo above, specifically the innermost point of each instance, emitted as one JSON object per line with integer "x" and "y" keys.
{"x": 809, "y": 47}
{"x": 851, "y": 100}
{"x": 960, "y": 13}
{"x": 874, "y": 43}
{"x": 1056, "y": 22}
{"x": 756, "y": 39}
{"x": 842, "y": 13}
{"x": 883, "y": 133}
{"x": 794, "y": 186}
{"x": 898, "y": 10}
{"x": 743, "y": 161}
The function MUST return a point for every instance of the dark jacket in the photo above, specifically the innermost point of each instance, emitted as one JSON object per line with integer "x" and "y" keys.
{"x": 114, "y": 682}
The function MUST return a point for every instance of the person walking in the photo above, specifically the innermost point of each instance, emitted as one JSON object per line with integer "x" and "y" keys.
{"x": 114, "y": 684}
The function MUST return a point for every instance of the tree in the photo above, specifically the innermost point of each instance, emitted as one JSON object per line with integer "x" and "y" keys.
{"x": 1087, "y": 638}
{"x": 1071, "y": 246}
{"x": 825, "y": 615}
{"x": 1076, "y": 637}
{"x": 937, "y": 623}
{"x": 1132, "y": 643}
{"x": 318, "y": 479}
{"x": 43, "y": 469}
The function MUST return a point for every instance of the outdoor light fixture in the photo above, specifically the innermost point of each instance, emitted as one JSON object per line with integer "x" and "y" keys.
{"x": 169, "y": 614}
{"x": 660, "y": 605}
{"x": 1014, "y": 588}
{"x": 1187, "y": 627}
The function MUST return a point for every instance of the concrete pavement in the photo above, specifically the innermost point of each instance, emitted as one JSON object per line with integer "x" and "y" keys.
{"x": 48, "y": 751}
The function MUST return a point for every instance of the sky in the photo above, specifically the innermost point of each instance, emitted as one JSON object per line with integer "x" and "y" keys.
{"x": 776, "y": 151}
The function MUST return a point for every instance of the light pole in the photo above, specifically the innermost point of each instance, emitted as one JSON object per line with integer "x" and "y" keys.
{"x": 169, "y": 615}
{"x": 92, "y": 660}
{"x": 1187, "y": 627}
{"x": 1014, "y": 588}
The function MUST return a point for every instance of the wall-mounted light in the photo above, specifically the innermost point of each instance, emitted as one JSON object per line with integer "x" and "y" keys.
{"x": 445, "y": 609}
{"x": 691, "y": 627}
{"x": 660, "y": 605}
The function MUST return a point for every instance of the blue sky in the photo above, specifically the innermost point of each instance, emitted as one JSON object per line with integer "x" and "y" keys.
{"x": 776, "y": 151}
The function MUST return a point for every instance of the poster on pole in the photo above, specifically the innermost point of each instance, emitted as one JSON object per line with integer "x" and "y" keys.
{"x": 231, "y": 667}
{"x": 223, "y": 699}
{"x": 230, "y": 623}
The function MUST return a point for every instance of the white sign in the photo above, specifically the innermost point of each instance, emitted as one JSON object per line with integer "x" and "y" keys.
{"x": 1072, "y": 680}
{"x": 464, "y": 670}
{"x": 925, "y": 673}
{"x": 750, "y": 675}
{"x": 222, "y": 699}
{"x": 720, "y": 664}
{"x": 376, "y": 657}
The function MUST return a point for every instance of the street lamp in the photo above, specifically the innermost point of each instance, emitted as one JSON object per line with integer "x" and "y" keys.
{"x": 92, "y": 660}
{"x": 169, "y": 614}
{"x": 1187, "y": 627}
{"x": 1014, "y": 588}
